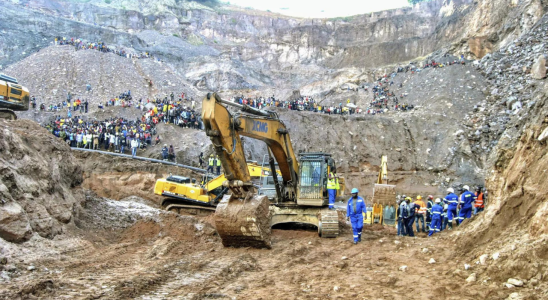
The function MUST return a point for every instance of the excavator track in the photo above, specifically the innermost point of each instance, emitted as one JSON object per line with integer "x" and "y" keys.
{"x": 244, "y": 222}
{"x": 7, "y": 114}
{"x": 328, "y": 224}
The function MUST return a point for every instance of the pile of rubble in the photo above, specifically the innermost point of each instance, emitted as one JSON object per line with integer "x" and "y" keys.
{"x": 513, "y": 73}
{"x": 507, "y": 243}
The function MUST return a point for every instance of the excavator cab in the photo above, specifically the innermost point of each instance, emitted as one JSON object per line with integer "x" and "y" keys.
{"x": 313, "y": 179}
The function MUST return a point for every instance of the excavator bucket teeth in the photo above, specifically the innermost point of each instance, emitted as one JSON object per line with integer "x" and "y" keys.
{"x": 244, "y": 222}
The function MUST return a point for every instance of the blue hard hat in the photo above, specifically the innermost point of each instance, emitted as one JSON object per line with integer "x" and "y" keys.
{"x": 354, "y": 191}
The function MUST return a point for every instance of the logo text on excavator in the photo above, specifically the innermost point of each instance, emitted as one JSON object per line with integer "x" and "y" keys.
{"x": 260, "y": 126}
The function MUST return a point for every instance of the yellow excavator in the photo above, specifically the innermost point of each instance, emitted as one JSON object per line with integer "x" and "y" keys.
{"x": 13, "y": 97}
{"x": 186, "y": 193}
{"x": 243, "y": 218}
{"x": 384, "y": 196}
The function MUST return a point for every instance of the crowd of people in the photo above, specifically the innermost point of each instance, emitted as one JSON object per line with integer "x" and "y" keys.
{"x": 303, "y": 103}
{"x": 438, "y": 215}
{"x": 80, "y": 44}
{"x": 118, "y": 134}
{"x": 113, "y": 134}
{"x": 171, "y": 111}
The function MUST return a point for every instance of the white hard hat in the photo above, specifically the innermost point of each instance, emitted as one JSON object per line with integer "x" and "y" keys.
{"x": 466, "y": 187}
{"x": 438, "y": 200}
{"x": 450, "y": 190}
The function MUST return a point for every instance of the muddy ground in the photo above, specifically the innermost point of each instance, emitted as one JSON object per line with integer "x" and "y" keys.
{"x": 125, "y": 249}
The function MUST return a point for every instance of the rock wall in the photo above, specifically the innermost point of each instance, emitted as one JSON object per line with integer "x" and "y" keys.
{"x": 230, "y": 48}
{"x": 509, "y": 239}
{"x": 37, "y": 177}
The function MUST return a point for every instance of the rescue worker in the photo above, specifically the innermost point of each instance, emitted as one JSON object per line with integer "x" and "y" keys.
{"x": 465, "y": 202}
{"x": 437, "y": 211}
{"x": 402, "y": 215}
{"x": 211, "y": 162}
{"x": 354, "y": 212}
{"x": 420, "y": 213}
{"x": 429, "y": 206}
{"x": 332, "y": 187}
{"x": 218, "y": 165}
{"x": 444, "y": 217}
{"x": 452, "y": 202}
{"x": 479, "y": 205}
{"x": 411, "y": 208}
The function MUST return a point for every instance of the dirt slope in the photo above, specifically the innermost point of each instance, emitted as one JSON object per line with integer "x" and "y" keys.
{"x": 37, "y": 174}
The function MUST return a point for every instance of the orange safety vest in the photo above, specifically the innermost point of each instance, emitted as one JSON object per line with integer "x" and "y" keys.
{"x": 422, "y": 210}
{"x": 479, "y": 200}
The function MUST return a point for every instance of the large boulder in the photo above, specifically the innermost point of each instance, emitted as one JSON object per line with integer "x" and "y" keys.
{"x": 14, "y": 224}
{"x": 538, "y": 71}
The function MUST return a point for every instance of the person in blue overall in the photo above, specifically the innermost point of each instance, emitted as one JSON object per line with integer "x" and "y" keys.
{"x": 354, "y": 213}
{"x": 466, "y": 200}
{"x": 435, "y": 224}
{"x": 452, "y": 201}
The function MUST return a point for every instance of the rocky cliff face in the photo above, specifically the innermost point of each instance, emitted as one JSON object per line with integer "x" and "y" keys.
{"x": 233, "y": 48}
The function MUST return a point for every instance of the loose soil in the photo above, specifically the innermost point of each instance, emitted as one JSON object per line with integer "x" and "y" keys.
{"x": 181, "y": 257}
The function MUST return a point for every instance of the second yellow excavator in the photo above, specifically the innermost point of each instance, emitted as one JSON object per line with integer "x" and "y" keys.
{"x": 243, "y": 218}
{"x": 187, "y": 193}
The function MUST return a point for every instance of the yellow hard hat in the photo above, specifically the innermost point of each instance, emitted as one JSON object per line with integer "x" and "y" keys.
{"x": 408, "y": 198}
{"x": 419, "y": 197}
{"x": 211, "y": 155}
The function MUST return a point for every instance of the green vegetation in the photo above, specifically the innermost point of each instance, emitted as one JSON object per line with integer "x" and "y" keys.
{"x": 194, "y": 40}
{"x": 210, "y": 3}
{"x": 345, "y": 19}
{"x": 176, "y": 35}
{"x": 413, "y": 2}
{"x": 234, "y": 21}
{"x": 108, "y": 1}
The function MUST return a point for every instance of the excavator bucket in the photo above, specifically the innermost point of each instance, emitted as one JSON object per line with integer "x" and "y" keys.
{"x": 244, "y": 222}
{"x": 384, "y": 194}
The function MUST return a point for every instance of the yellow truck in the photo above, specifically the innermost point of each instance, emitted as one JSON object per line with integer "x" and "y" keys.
{"x": 13, "y": 97}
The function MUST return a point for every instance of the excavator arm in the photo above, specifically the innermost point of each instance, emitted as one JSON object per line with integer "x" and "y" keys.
{"x": 225, "y": 130}
{"x": 242, "y": 218}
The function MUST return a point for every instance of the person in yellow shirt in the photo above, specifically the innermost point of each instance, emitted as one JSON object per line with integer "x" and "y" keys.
{"x": 420, "y": 213}
{"x": 332, "y": 187}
